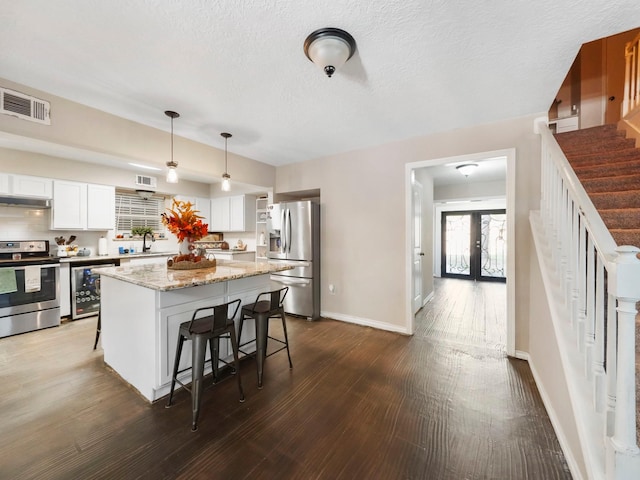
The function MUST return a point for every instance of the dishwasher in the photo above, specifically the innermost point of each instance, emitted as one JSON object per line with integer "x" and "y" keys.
{"x": 85, "y": 290}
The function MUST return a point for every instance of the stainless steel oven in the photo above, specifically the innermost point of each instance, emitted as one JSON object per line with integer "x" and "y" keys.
{"x": 29, "y": 287}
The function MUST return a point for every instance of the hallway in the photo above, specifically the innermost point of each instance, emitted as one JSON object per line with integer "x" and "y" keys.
{"x": 359, "y": 403}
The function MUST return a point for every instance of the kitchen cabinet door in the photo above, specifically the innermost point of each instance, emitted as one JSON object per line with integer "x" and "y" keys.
{"x": 27, "y": 186}
{"x": 69, "y": 209}
{"x": 219, "y": 214}
{"x": 4, "y": 184}
{"x": 65, "y": 290}
{"x": 203, "y": 205}
{"x": 236, "y": 214}
{"x": 101, "y": 207}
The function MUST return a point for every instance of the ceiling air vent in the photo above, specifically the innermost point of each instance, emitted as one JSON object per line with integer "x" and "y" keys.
{"x": 24, "y": 106}
{"x": 145, "y": 181}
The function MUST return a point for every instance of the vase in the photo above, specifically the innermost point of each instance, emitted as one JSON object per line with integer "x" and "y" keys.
{"x": 185, "y": 247}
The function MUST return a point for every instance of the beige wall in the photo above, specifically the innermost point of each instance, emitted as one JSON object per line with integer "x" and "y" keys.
{"x": 363, "y": 205}
{"x": 79, "y": 127}
{"x": 544, "y": 358}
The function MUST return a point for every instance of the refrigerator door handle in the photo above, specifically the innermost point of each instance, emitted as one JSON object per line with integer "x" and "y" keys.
{"x": 283, "y": 231}
{"x": 288, "y": 230}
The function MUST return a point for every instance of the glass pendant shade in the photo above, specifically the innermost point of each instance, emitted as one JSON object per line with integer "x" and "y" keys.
{"x": 172, "y": 173}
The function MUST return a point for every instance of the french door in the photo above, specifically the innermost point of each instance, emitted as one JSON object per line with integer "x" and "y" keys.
{"x": 474, "y": 245}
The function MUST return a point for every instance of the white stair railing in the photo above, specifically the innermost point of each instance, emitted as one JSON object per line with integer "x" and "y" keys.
{"x": 600, "y": 287}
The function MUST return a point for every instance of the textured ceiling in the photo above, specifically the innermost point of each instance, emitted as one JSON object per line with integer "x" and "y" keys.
{"x": 421, "y": 66}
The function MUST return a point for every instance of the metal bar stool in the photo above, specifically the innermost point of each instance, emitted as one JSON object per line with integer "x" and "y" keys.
{"x": 200, "y": 331}
{"x": 98, "y": 329}
{"x": 267, "y": 305}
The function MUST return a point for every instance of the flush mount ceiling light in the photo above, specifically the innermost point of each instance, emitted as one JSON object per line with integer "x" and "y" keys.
{"x": 329, "y": 48}
{"x": 467, "y": 169}
{"x": 172, "y": 173}
{"x": 226, "y": 178}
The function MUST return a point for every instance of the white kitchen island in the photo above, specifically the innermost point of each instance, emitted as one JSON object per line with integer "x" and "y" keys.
{"x": 142, "y": 307}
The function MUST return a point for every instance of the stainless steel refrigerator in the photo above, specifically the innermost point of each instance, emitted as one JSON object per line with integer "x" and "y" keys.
{"x": 294, "y": 239}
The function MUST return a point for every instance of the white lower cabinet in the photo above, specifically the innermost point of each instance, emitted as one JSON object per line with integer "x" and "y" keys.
{"x": 65, "y": 290}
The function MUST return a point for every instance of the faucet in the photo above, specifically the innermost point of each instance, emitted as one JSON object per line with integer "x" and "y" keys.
{"x": 144, "y": 242}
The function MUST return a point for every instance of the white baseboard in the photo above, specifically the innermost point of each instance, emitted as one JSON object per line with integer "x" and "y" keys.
{"x": 519, "y": 354}
{"x": 365, "y": 322}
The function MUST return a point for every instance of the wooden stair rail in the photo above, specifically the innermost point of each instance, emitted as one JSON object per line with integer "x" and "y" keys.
{"x": 631, "y": 76}
{"x": 600, "y": 285}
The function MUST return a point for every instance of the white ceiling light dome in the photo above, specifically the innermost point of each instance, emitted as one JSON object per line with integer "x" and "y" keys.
{"x": 329, "y": 48}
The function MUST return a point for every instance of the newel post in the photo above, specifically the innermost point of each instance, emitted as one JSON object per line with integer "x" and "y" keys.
{"x": 625, "y": 287}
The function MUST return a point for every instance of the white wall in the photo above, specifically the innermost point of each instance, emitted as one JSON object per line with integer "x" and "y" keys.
{"x": 363, "y": 218}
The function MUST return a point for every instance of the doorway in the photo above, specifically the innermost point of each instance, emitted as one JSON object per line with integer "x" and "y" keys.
{"x": 474, "y": 245}
{"x": 429, "y": 243}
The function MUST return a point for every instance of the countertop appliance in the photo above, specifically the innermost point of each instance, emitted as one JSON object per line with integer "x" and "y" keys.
{"x": 85, "y": 289}
{"x": 294, "y": 239}
{"x": 29, "y": 287}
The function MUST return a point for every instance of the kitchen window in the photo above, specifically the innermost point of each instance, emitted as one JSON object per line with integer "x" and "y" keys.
{"x": 135, "y": 211}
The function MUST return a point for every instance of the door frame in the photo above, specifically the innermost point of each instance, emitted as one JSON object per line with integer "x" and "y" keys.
{"x": 510, "y": 155}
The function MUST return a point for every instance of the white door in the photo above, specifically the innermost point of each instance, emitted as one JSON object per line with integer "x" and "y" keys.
{"x": 416, "y": 232}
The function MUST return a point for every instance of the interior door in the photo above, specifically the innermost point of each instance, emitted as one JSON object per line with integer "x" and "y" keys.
{"x": 474, "y": 245}
{"x": 418, "y": 254}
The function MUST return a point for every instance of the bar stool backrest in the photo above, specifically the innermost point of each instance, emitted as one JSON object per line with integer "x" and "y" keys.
{"x": 220, "y": 315}
{"x": 276, "y": 298}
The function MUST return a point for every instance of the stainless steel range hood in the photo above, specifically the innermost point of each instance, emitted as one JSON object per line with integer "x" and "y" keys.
{"x": 24, "y": 202}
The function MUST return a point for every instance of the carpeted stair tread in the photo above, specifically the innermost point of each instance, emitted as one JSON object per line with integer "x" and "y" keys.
{"x": 608, "y": 200}
{"x": 609, "y": 170}
{"x": 626, "y": 237}
{"x": 609, "y": 156}
{"x": 619, "y": 183}
{"x": 577, "y": 146}
{"x": 620, "y": 218}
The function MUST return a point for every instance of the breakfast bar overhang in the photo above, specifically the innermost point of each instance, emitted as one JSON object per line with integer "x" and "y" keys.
{"x": 143, "y": 306}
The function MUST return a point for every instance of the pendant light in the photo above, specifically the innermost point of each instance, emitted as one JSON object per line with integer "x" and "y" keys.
{"x": 329, "y": 48}
{"x": 172, "y": 173}
{"x": 226, "y": 178}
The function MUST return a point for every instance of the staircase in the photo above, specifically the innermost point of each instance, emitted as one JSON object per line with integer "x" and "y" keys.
{"x": 591, "y": 282}
{"x": 608, "y": 166}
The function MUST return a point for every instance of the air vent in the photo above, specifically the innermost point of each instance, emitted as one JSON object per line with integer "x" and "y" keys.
{"x": 24, "y": 106}
{"x": 145, "y": 181}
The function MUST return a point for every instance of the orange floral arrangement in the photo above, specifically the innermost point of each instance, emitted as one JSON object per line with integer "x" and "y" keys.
{"x": 184, "y": 222}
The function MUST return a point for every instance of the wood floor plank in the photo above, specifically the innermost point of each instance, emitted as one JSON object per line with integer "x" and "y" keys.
{"x": 445, "y": 403}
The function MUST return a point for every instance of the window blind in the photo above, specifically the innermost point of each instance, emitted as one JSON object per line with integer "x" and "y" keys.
{"x": 134, "y": 211}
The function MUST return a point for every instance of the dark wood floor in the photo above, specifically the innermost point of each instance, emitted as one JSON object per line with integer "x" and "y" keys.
{"x": 359, "y": 404}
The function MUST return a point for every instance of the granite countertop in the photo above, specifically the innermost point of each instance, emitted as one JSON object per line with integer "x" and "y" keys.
{"x": 159, "y": 277}
{"x": 93, "y": 258}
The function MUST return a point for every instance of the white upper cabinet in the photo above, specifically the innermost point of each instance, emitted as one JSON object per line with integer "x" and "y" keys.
{"x": 233, "y": 214}
{"x": 69, "y": 209}
{"x": 101, "y": 207}
{"x": 4, "y": 184}
{"x": 27, "y": 186}
{"x": 219, "y": 215}
{"x": 78, "y": 206}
